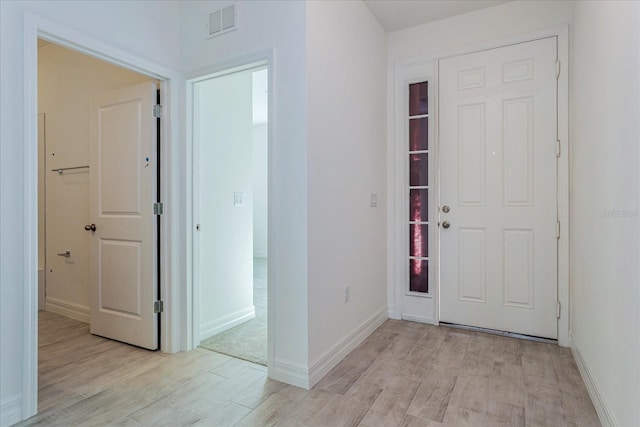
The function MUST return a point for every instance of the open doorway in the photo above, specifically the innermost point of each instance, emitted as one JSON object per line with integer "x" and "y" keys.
{"x": 230, "y": 131}
{"x": 67, "y": 82}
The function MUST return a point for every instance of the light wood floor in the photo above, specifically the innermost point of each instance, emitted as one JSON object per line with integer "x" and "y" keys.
{"x": 404, "y": 374}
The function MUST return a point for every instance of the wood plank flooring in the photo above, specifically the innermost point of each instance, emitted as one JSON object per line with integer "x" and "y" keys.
{"x": 405, "y": 374}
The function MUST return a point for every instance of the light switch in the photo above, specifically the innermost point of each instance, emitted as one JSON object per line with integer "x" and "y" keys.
{"x": 373, "y": 200}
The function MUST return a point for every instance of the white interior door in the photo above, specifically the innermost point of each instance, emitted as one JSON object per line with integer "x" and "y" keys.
{"x": 498, "y": 127}
{"x": 122, "y": 189}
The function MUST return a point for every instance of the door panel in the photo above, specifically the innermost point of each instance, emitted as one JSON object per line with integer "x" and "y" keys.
{"x": 497, "y": 126}
{"x": 122, "y": 288}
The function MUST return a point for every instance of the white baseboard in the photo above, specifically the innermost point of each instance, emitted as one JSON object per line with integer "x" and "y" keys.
{"x": 329, "y": 359}
{"x": 595, "y": 391}
{"x": 213, "y": 327}
{"x": 289, "y": 373}
{"x": 68, "y": 309}
{"x": 11, "y": 410}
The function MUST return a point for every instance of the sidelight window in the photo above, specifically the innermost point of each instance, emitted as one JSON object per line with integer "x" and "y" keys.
{"x": 418, "y": 158}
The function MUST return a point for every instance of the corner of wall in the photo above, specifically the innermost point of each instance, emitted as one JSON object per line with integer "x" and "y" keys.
{"x": 605, "y": 414}
{"x": 330, "y": 358}
{"x": 290, "y": 373}
{"x": 11, "y": 410}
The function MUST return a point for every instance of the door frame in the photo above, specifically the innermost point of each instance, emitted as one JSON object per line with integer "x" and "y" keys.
{"x": 266, "y": 59}
{"x": 171, "y": 338}
{"x": 410, "y": 69}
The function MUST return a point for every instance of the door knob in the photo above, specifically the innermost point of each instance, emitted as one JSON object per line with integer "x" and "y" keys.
{"x": 446, "y": 224}
{"x": 445, "y": 209}
{"x": 90, "y": 227}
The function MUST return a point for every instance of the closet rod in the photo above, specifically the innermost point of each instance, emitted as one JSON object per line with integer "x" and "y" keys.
{"x": 60, "y": 170}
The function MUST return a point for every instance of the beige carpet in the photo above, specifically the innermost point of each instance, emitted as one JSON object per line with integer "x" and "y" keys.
{"x": 247, "y": 341}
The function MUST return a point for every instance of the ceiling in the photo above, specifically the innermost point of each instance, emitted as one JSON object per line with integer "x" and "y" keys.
{"x": 398, "y": 14}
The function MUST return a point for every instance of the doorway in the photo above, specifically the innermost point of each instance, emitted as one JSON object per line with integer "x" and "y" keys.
{"x": 91, "y": 268}
{"x": 498, "y": 217}
{"x": 230, "y": 134}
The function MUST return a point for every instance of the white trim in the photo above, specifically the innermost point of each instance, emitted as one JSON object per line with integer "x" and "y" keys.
{"x": 290, "y": 373}
{"x": 260, "y": 255}
{"x": 172, "y": 222}
{"x": 405, "y": 74}
{"x": 330, "y": 358}
{"x": 216, "y": 326}
{"x": 30, "y": 312}
{"x": 563, "y": 187}
{"x": 68, "y": 309}
{"x": 11, "y": 410}
{"x": 391, "y": 312}
{"x": 595, "y": 391}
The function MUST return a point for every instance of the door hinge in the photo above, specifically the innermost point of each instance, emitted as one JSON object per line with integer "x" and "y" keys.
{"x": 557, "y": 68}
{"x": 558, "y": 309}
{"x": 557, "y": 229}
{"x": 558, "y": 148}
{"x": 157, "y": 111}
{"x": 158, "y": 306}
{"x": 158, "y": 208}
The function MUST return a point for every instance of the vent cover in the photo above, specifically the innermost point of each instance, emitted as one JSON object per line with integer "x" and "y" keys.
{"x": 223, "y": 20}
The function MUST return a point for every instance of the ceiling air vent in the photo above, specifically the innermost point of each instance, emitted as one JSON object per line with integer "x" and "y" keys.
{"x": 223, "y": 20}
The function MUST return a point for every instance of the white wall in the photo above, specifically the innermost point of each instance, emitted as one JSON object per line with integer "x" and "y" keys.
{"x": 346, "y": 89}
{"x": 66, "y": 82}
{"x": 130, "y": 26}
{"x": 473, "y": 29}
{"x": 605, "y": 230}
{"x": 277, "y": 26}
{"x": 224, "y": 139}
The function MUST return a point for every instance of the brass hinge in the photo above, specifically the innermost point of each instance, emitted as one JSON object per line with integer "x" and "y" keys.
{"x": 557, "y": 229}
{"x": 557, "y": 68}
{"x": 558, "y": 148}
{"x": 158, "y": 306}
{"x": 158, "y": 208}
{"x": 558, "y": 309}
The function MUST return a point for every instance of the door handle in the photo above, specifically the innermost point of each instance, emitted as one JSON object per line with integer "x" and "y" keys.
{"x": 90, "y": 227}
{"x": 66, "y": 254}
{"x": 446, "y": 224}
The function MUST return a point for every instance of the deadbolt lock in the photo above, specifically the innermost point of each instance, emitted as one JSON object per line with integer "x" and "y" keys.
{"x": 445, "y": 209}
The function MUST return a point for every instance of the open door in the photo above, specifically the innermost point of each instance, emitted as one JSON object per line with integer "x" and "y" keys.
{"x": 123, "y": 185}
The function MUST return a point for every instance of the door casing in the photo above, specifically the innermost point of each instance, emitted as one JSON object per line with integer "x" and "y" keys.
{"x": 172, "y": 323}
{"x": 265, "y": 58}
{"x": 417, "y": 69}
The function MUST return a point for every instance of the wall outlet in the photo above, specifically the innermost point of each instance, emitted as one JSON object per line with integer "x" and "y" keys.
{"x": 238, "y": 199}
{"x": 373, "y": 200}
{"x": 346, "y": 294}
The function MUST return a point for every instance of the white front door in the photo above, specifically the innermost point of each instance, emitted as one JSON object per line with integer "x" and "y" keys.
{"x": 122, "y": 189}
{"x": 498, "y": 200}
